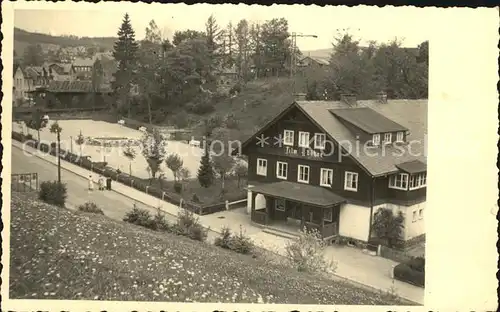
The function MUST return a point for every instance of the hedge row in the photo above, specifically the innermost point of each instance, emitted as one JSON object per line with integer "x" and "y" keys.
{"x": 103, "y": 169}
{"x": 412, "y": 272}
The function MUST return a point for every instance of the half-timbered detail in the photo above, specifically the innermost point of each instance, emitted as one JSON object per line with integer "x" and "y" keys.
{"x": 330, "y": 165}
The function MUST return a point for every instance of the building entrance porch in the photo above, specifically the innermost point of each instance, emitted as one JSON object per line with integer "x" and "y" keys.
{"x": 279, "y": 206}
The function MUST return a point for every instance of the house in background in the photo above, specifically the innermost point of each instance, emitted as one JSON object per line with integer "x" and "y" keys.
{"x": 61, "y": 72}
{"x": 313, "y": 62}
{"x": 330, "y": 165}
{"x": 83, "y": 68}
{"x": 226, "y": 78}
{"x": 70, "y": 94}
{"x": 21, "y": 86}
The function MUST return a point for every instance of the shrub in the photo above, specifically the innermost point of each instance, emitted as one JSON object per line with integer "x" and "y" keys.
{"x": 90, "y": 207}
{"x": 307, "y": 252}
{"x": 159, "y": 222}
{"x": 239, "y": 243}
{"x": 188, "y": 225}
{"x": 53, "y": 192}
{"x": 29, "y": 136}
{"x": 139, "y": 216}
{"x": 405, "y": 273}
{"x": 177, "y": 187}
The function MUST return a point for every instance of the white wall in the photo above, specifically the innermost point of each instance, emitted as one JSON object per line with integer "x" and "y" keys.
{"x": 415, "y": 227}
{"x": 249, "y": 200}
{"x": 354, "y": 221}
{"x": 260, "y": 202}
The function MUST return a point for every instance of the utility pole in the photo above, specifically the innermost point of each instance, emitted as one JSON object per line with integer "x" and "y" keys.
{"x": 293, "y": 56}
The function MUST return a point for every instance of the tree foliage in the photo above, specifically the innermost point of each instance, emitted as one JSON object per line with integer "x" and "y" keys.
{"x": 206, "y": 171}
{"x": 174, "y": 162}
{"x": 388, "y": 225}
{"x": 154, "y": 150}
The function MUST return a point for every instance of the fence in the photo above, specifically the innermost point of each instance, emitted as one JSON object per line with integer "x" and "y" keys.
{"x": 24, "y": 182}
{"x": 393, "y": 254}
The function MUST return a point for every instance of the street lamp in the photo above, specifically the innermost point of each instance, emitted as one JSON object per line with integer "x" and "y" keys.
{"x": 293, "y": 59}
{"x": 55, "y": 128}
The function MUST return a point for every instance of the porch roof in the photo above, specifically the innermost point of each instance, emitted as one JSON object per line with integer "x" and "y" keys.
{"x": 303, "y": 193}
{"x": 412, "y": 167}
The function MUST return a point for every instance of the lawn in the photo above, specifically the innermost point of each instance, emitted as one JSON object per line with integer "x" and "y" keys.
{"x": 48, "y": 261}
{"x": 209, "y": 195}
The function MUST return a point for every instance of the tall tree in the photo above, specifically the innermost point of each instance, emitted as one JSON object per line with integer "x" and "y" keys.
{"x": 257, "y": 49}
{"x": 125, "y": 53}
{"x": 276, "y": 46}
{"x": 213, "y": 36}
{"x": 150, "y": 65}
{"x": 242, "y": 38}
{"x": 33, "y": 55}
{"x": 180, "y": 36}
{"x": 229, "y": 45}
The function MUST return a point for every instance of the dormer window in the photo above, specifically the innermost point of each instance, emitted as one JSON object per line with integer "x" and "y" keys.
{"x": 399, "y": 181}
{"x": 387, "y": 138}
{"x": 399, "y": 137}
{"x": 376, "y": 139}
{"x": 319, "y": 140}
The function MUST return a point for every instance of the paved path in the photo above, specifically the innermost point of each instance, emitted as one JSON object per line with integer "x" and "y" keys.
{"x": 353, "y": 264}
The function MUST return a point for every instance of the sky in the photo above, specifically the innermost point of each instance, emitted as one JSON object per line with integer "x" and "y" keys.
{"x": 103, "y": 19}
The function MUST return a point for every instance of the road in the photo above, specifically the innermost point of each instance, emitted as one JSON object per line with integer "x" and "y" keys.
{"x": 113, "y": 204}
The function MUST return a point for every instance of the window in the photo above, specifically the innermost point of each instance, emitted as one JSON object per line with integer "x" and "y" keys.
{"x": 326, "y": 177}
{"x": 261, "y": 167}
{"x": 399, "y": 137}
{"x": 288, "y": 138}
{"x": 319, "y": 140}
{"x": 399, "y": 181}
{"x": 303, "y": 174}
{"x": 387, "y": 138}
{"x": 421, "y": 213}
{"x": 279, "y": 204}
{"x": 418, "y": 181}
{"x": 351, "y": 181}
{"x": 303, "y": 139}
{"x": 414, "y": 216}
{"x": 376, "y": 139}
{"x": 281, "y": 170}
{"x": 328, "y": 214}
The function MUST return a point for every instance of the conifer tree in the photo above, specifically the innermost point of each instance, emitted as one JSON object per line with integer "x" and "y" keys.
{"x": 206, "y": 172}
{"x": 125, "y": 53}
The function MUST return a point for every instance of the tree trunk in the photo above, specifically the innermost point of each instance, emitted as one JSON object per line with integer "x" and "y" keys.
{"x": 38, "y": 135}
{"x": 130, "y": 167}
{"x": 148, "y": 99}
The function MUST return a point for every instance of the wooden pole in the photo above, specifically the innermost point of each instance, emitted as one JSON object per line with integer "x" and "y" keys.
{"x": 58, "y": 157}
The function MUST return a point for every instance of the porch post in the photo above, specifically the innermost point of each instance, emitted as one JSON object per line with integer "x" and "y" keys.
{"x": 322, "y": 224}
{"x": 268, "y": 199}
{"x": 249, "y": 200}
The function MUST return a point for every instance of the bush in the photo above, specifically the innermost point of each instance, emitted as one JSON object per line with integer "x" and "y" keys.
{"x": 200, "y": 108}
{"x": 159, "y": 222}
{"x": 188, "y": 225}
{"x": 53, "y": 192}
{"x": 405, "y": 273}
{"x": 238, "y": 243}
{"x": 307, "y": 253}
{"x": 90, "y": 207}
{"x": 140, "y": 217}
{"x": 177, "y": 187}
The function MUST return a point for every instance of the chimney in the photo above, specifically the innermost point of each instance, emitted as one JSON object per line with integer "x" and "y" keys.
{"x": 349, "y": 99}
{"x": 299, "y": 96}
{"x": 382, "y": 97}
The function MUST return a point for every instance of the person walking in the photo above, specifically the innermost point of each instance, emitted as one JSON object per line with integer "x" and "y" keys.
{"x": 91, "y": 183}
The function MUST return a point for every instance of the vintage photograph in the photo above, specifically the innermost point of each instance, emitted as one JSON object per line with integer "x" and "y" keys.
{"x": 219, "y": 153}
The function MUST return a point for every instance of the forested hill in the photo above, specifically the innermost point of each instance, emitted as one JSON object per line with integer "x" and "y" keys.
{"x": 23, "y": 38}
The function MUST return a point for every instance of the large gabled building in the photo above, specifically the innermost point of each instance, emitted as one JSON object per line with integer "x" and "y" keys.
{"x": 331, "y": 165}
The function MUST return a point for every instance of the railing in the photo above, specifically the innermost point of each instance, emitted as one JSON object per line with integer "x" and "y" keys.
{"x": 24, "y": 182}
{"x": 330, "y": 229}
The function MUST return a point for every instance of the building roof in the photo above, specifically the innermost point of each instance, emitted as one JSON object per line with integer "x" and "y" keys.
{"x": 33, "y": 72}
{"x": 318, "y": 59}
{"x": 304, "y": 193}
{"x": 367, "y": 120}
{"x": 414, "y": 166}
{"x": 83, "y": 62}
{"x": 411, "y": 114}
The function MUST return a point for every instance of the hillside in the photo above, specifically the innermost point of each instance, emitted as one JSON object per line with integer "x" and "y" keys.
{"x": 49, "y": 261}
{"x": 23, "y": 38}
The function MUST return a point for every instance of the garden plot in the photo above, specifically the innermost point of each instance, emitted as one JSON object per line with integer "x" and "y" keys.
{"x": 114, "y": 156}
